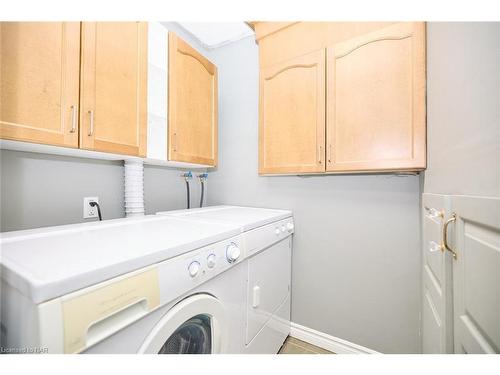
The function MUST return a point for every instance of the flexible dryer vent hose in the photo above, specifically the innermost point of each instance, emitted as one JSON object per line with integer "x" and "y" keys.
{"x": 134, "y": 188}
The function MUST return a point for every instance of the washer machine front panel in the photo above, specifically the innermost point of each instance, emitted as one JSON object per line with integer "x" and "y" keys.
{"x": 229, "y": 289}
{"x": 92, "y": 314}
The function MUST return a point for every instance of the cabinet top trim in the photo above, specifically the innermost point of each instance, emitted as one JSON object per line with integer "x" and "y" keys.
{"x": 264, "y": 29}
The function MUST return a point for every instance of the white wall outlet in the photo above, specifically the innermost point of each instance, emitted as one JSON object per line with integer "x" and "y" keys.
{"x": 89, "y": 211}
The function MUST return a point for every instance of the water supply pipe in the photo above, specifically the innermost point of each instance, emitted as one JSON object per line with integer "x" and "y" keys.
{"x": 203, "y": 178}
{"x": 187, "y": 176}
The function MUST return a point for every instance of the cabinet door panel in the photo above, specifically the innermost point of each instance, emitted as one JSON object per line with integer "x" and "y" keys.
{"x": 192, "y": 85}
{"x": 292, "y": 115}
{"x": 39, "y": 80}
{"x": 376, "y": 101}
{"x": 114, "y": 87}
{"x": 476, "y": 274}
{"x": 437, "y": 304}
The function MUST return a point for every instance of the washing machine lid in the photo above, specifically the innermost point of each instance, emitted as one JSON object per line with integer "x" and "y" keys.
{"x": 195, "y": 325}
{"x": 247, "y": 218}
{"x": 50, "y": 262}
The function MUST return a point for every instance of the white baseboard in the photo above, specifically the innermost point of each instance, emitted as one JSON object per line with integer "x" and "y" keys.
{"x": 328, "y": 342}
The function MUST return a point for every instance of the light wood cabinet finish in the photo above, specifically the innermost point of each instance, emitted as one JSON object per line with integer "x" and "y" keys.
{"x": 192, "y": 103}
{"x": 263, "y": 29}
{"x": 113, "y": 114}
{"x": 375, "y": 113}
{"x": 280, "y": 41}
{"x": 39, "y": 73}
{"x": 376, "y": 101}
{"x": 292, "y": 115}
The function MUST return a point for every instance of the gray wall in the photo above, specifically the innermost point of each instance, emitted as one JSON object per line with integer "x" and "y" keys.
{"x": 43, "y": 190}
{"x": 356, "y": 260}
{"x": 165, "y": 190}
{"x": 463, "y": 114}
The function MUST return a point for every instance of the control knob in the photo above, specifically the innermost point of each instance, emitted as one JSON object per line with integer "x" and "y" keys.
{"x": 194, "y": 268}
{"x": 211, "y": 261}
{"x": 289, "y": 227}
{"x": 232, "y": 252}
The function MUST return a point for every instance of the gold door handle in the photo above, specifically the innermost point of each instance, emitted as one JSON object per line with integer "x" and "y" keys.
{"x": 452, "y": 219}
{"x": 320, "y": 159}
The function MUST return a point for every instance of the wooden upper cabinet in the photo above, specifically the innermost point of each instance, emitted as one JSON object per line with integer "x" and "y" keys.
{"x": 192, "y": 105}
{"x": 39, "y": 74}
{"x": 113, "y": 114}
{"x": 292, "y": 115}
{"x": 376, "y": 101}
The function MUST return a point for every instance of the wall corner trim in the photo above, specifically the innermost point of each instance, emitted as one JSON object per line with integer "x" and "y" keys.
{"x": 328, "y": 342}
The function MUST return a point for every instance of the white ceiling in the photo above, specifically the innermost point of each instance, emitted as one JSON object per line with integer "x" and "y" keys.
{"x": 216, "y": 34}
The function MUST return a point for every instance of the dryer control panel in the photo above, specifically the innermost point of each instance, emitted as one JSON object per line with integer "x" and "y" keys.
{"x": 263, "y": 237}
{"x": 185, "y": 272}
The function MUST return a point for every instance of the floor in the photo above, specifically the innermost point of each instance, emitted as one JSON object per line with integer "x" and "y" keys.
{"x": 296, "y": 346}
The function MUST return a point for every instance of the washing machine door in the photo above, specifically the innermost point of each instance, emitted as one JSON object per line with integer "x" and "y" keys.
{"x": 193, "y": 326}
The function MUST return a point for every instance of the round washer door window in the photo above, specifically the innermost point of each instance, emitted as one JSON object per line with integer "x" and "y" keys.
{"x": 193, "y": 326}
{"x": 193, "y": 337}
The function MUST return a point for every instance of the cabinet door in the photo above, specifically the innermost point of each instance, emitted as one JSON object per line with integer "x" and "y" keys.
{"x": 292, "y": 115}
{"x": 376, "y": 101}
{"x": 267, "y": 291}
{"x": 39, "y": 80}
{"x": 192, "y": 105}
{"x": 476, "y": 274}
{"x": 437, "y": 304}
{"x": 113, "y": 114}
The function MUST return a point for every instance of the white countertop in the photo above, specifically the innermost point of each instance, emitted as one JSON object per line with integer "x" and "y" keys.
{"x": 49, "y": 262}
{"x": 247, "y": 218}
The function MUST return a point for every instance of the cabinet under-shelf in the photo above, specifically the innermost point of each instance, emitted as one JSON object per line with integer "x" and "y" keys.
{"x": 87, "y": 154}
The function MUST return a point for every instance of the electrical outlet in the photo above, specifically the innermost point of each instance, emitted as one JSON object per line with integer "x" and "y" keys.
{"x": 89, "y": 211}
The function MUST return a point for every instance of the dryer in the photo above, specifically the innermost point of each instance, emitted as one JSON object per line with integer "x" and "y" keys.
{"x": 150, "y": 285}
{"x": 267, "y": 237}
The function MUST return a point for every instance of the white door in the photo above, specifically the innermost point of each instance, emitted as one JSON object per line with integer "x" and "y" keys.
{"x": 476, "y": 274}
{"x": 437, "y": 312}
{"x": 195, "y": 325}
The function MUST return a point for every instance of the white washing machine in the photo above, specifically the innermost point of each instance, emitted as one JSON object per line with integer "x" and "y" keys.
{"x": 267, "y": 237}
{"x": 150, "y": 285}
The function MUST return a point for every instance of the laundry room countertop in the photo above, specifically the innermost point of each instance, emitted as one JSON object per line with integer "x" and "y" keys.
{"x": 49, "y": 262}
